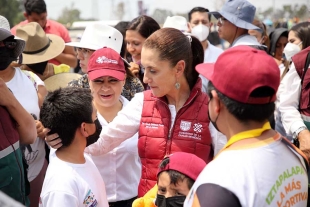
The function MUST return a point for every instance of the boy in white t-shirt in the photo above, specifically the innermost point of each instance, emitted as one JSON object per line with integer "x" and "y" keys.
{"x": 257, "y": 166}
{"x": 71, "y": 179}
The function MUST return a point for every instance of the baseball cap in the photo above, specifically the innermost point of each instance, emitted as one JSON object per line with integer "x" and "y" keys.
{"x": 185, "y": 163}
{"x": 106, "y": 62}
{"x": 241, "y": 70}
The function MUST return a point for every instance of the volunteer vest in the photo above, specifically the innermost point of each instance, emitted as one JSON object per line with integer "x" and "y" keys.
{"x": 299, "y": 61}
{"x": 157, "y": 138}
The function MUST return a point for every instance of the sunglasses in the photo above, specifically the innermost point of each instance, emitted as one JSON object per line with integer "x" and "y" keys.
{"x": 10, "y": 44}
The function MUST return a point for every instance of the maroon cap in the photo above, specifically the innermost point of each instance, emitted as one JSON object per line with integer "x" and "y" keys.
{"x": 185, "y": 163}
{"x": 106, "y": 62}
{"x": 239, "y": 71}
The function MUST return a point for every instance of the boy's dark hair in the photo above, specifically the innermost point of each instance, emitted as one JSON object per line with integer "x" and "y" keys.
{"x": 64, "y": 110}
{"x": 174, "y": 175}
{"x": 36, "y": 6}
{"x": 198, "y": 9}
{"x": 247, "y": 112}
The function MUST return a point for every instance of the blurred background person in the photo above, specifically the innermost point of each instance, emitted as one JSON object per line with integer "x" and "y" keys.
{"x": 261, "y": 34}
{"x": 137, "y": 31}
{"x": 278, "y": 40}
{"x": 35, "y": 11}
{"x": 199, "y": 21}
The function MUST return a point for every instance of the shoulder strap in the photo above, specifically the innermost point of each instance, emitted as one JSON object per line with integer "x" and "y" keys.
{"x": 296, "y": 151}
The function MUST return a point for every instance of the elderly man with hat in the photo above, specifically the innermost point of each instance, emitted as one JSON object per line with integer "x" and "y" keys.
{"x": 234, "y": 21}
{"x": 257, "y": 166}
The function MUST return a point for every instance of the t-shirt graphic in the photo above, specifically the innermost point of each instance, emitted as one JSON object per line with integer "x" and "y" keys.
{"x": 90, "y": 200}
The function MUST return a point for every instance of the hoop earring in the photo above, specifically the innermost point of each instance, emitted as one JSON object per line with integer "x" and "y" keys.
{"x": 177, "y": 85}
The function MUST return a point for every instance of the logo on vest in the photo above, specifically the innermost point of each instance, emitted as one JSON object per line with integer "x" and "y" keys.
{"x": 198, "y": 127}
{"x": 185, "y": 125}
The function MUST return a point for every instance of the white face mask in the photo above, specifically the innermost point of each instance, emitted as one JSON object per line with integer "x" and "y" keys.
{"x": 290, "y": 50}
{"x": 201, "y": 32}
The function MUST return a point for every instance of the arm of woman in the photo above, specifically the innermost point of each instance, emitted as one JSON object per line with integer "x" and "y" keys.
{"x": 123, "y": 127}
{"x": 25, "y": 123}
{"x": 289, "y": 101}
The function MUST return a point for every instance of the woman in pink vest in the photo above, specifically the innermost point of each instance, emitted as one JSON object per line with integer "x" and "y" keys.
{"x": 172, "y": 116}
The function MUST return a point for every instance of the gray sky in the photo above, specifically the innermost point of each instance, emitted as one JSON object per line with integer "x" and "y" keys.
{"x": 103, "y": 9}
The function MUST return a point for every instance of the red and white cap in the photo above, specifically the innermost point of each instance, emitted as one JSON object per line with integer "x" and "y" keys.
{"x": 106, "y": 62}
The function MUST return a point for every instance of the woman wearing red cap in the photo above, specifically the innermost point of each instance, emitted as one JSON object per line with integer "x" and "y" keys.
{"x": 171, "y": 117}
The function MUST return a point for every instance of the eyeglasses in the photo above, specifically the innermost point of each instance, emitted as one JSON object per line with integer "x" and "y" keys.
{"x": 85, "y": 52}
{"x": 221, "y": 20}
{"x": 8, "y": 44}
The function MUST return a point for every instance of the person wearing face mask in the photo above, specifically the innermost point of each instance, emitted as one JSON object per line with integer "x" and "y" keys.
{"x": 175, "y": 176}
{"x": 72, "y": 179}
{"x": 257, "y": 166}
{"x": 293, "y": 101}
{"x": 200, "y": 26}
{"x": 260, "y": 34}
{"x": 30, "y": 91}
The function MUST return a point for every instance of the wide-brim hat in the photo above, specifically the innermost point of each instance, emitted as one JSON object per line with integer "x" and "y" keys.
{"x": 39, "y": 46}
{"x": 6, "y": 33}
{"x": 60, "y": 80}
{"x": 177, "y": 22}
{"x": 99, "y": 35}
{"x": 241, "y": 13}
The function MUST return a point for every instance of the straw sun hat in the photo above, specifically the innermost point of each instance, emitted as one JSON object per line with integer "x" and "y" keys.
{"x": 39, "y": 46}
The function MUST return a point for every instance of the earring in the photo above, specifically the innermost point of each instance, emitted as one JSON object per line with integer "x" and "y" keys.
{"x": 177, "y": 85}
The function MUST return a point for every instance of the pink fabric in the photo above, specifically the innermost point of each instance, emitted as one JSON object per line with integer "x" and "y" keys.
{"x": 51, "y": 27}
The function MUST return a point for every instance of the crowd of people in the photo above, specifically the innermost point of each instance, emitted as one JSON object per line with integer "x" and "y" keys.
{"x": 160, "y": 116}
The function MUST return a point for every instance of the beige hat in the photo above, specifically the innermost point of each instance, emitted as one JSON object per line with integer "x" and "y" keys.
{"x": 39, "y": 46}
{"x": 60, "y": 80}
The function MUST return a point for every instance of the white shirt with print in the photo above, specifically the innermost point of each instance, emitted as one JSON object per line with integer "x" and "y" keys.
{"x": 78, "y": 185}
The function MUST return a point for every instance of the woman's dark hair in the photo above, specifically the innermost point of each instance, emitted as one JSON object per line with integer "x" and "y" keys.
{"x": 121, "y": 27}
{"x": 144, "y": 25}
{"x": 174, "y": 175}
{"x": 64, "y": 110}
{"x": 173, "y": 46}
{"x": 302, "y": 31}
{"x": 247, "y": 112}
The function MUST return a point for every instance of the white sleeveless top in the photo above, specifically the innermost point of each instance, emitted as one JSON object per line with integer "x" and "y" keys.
{"x": 25, "y": 92}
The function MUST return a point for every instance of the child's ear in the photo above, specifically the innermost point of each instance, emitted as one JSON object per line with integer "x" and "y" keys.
{"x": 84, "y": 129}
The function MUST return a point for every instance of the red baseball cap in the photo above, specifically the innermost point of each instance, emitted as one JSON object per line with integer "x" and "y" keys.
{"x": 239, "y": 71}
{"x": 106, "y": 62}
{"x": 185, "y": 163}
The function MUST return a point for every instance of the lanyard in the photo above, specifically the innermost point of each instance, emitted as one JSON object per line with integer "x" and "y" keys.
{"x": 247, "y": 134}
